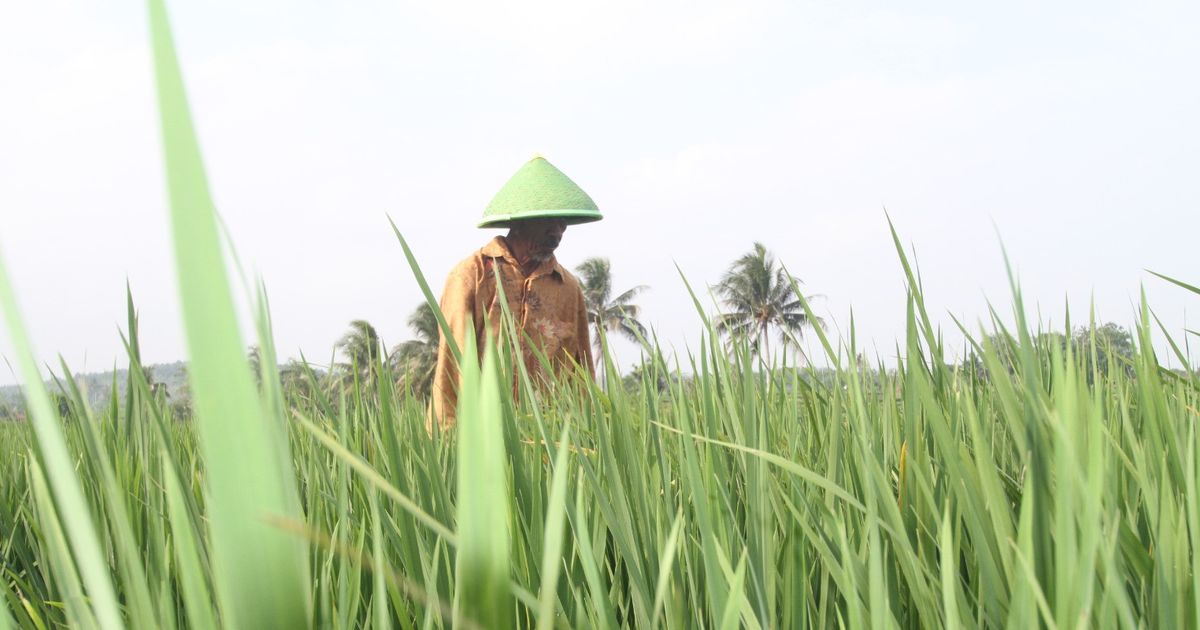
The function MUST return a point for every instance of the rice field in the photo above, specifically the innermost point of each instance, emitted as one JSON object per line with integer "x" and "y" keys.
{"x": 1048, "y": 488}
{"x": 741, "y": 496}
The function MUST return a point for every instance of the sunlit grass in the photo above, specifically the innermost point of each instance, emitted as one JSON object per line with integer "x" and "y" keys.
{"x": 1028, "y": 497}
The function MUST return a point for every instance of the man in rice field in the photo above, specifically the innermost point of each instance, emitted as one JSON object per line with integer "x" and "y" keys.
{"x": 545, "y": 300}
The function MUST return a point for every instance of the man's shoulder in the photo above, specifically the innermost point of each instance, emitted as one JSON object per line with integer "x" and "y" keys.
{"x": 466, "y": 271}
{"x": 475, "y": 261}
{"x": 568, "y": 278}
{"x": 472, "y": 262}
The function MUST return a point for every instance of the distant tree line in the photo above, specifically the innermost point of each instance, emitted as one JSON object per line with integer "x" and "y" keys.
{"x": 761, "y": 307}
{"x": 1101, "y": 349}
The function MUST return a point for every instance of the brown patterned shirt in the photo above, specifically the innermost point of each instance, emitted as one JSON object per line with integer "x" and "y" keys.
{"x": 547, "y": 305}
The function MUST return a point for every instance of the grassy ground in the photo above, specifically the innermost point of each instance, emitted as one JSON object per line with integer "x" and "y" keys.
{"x": 1018, "y": 496}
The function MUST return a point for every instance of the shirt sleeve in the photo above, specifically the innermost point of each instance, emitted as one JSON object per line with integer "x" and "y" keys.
{"x": 458, "y": 306}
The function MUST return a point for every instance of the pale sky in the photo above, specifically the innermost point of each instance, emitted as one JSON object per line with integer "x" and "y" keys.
{"x": 1069, "y": 130}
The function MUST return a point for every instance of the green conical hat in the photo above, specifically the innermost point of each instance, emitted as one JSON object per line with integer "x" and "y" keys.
{"x": 539, "y": 190}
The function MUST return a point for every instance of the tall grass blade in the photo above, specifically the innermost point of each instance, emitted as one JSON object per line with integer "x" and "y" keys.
{"x": 427, "y": 292}
{"x": 197, "y": 598}
{"x": 483, "y": 523}
{"x": 1180, "y": 283}
{"x": 261, "y": 573}
{"x": 6, "y": 620}
{"x": 379, "y": 605}
{"x": 60, "y": 569}
{"x": 552, "y": 559}
{"x": 80, "y": 530}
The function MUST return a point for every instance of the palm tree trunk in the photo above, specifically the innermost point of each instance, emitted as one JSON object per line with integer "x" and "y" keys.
{"x": 765, "y": 345}
{"x": 598, "y": 360}
{"x": 601, "y": 373}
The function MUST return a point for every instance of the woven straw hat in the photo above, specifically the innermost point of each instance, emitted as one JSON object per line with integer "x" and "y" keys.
{"x": 537, "y": 190}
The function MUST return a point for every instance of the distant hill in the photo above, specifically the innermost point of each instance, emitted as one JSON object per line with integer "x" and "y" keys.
{"x": 97, "y": 386}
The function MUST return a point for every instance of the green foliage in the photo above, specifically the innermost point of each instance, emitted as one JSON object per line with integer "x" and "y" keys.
{"x": 10, "y": 412}
{"x": 1100, "y": 348}
{"x": 96, "y": 387}
{"x": 644, "y": 372}
{"x": 301, "y": 382}
{"x": 259, "y": 573}
{"x": 414, "y": 361}
{"x": 362, "y": 349}
{"x": 607, "y": 313}
{"x": 483, "y": 506}
{"x": 756, "y": 497}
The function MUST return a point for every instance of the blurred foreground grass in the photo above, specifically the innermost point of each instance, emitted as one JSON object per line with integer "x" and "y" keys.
{"x": 1016, "y": 496}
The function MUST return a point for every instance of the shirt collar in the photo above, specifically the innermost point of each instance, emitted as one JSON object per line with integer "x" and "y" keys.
{"x": 498, "y": 248}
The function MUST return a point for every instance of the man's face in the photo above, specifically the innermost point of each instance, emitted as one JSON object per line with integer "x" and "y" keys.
{"x": 543, "y": 236}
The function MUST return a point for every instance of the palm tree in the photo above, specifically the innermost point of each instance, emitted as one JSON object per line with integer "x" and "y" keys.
{"x": 294, "y": 380}
{"x": 615, "y": 315}
{"x": 415, "y": 359}
{"x": 363, "y": 349}
{"x": 759, "y": 296}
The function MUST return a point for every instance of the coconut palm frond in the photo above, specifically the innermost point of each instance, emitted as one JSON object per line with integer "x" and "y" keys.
{"x": 758, "y": 296}
{"x": 605, "y": 313}
{"x": 627, "y": 297}
{"x": 414, "y": 361}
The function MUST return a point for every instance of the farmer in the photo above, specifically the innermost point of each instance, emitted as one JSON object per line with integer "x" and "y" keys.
{"x": 545, "y": 300}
